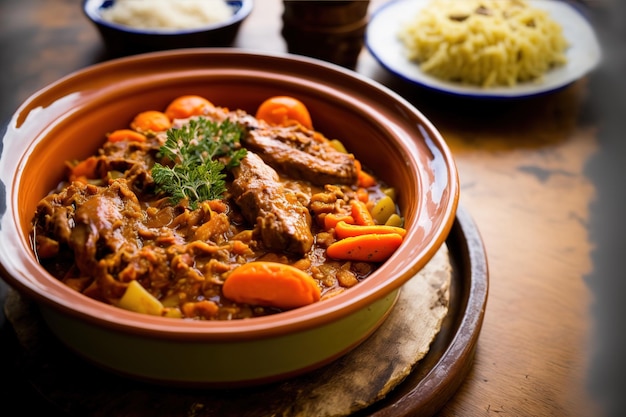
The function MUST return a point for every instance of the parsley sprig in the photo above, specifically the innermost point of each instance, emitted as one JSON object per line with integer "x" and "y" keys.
{"x": 196, "y": 151}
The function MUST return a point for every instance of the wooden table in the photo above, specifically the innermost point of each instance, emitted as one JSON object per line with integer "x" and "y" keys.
{"x": 541, "y": 178}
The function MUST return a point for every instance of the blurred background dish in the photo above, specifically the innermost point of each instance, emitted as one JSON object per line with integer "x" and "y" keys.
{"x": 583, "y": 54}
{"x": 121, "y": 39}
{"x": 328, "y": 30}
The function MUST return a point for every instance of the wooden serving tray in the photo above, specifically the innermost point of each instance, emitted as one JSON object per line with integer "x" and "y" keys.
{"x": 62, "y": 383}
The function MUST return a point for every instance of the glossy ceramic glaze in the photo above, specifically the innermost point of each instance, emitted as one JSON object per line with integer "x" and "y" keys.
{"x": 123, "y": 40}
{"x": 68, "y": 120}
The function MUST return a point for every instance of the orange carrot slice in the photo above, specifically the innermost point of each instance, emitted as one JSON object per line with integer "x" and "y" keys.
{"x": 284, "y": 110}
{"x": 360, "y": 213}
{"x": 186, "y": 106}
{"x": 344, "y": 230}
{"x": 271, "y": 284}
{"x": 366, "y": 248}
{"x": 85, "y": 169}
{"x": 362, "y": 194}
{"x": 126, "y": 134}
{"x": 364, "y": 179}
{"x": 331, "y": 220}
{"x": 151, "y": 121}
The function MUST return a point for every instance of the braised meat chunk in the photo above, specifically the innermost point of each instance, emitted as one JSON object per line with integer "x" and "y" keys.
{"x": 283, "y": 221}
{"x": 294, "y": 150}
{"x": 302, "y": 153}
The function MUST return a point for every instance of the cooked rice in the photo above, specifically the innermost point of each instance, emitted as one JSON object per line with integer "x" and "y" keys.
{"x": 484, "y": 42}
{"x": 167, "y": 14}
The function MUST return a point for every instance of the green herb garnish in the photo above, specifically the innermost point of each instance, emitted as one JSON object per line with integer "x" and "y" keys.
{"x": 200, "y": 151}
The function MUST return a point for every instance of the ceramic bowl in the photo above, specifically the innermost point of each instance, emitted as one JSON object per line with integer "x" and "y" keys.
{"x": 124, "y": 40}
{"x": 67, "y": 120}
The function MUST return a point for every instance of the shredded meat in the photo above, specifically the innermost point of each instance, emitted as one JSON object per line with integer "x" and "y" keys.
{"x": 112, "y": 243}
{"x": 102, "y": 227}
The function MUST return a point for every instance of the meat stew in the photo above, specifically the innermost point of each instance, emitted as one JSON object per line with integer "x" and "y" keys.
{"x": 186, "y": 200}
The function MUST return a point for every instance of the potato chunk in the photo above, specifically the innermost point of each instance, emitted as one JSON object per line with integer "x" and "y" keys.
{"x": 138, "y": 299}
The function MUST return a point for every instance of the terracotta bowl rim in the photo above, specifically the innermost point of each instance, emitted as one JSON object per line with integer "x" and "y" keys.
{"x": 306, "y": 318}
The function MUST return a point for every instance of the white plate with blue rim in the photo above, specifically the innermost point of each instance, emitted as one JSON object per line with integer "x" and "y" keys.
{"x": 583, "y": 54}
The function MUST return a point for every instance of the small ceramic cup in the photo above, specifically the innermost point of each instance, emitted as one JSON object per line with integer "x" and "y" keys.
{"x": 332, "y": 30}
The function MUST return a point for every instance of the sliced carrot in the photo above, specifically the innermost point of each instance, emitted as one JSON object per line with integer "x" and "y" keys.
{"x": 344, "y": 230}
{"x": 283, "y": 111}
{"x": 126, "y": 134}
{"x": 271, "y": 284}
{"x": 186, "y": 106}
{"x": 366, "y": 248}
{"x": 362, "y": 194}
{"x": 84, "y": 170}
{"x": 331, "y": 220}
{"x": 364, "y": 179}
{"x": 151, "y": 121}
{"x": 361, "y": 213}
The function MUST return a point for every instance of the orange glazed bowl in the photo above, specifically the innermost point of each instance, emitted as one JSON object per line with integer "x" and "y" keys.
{"x": 68, "y": 119}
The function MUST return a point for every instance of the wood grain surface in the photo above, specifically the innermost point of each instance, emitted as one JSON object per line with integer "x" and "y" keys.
{"x": 524, "y": 170}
